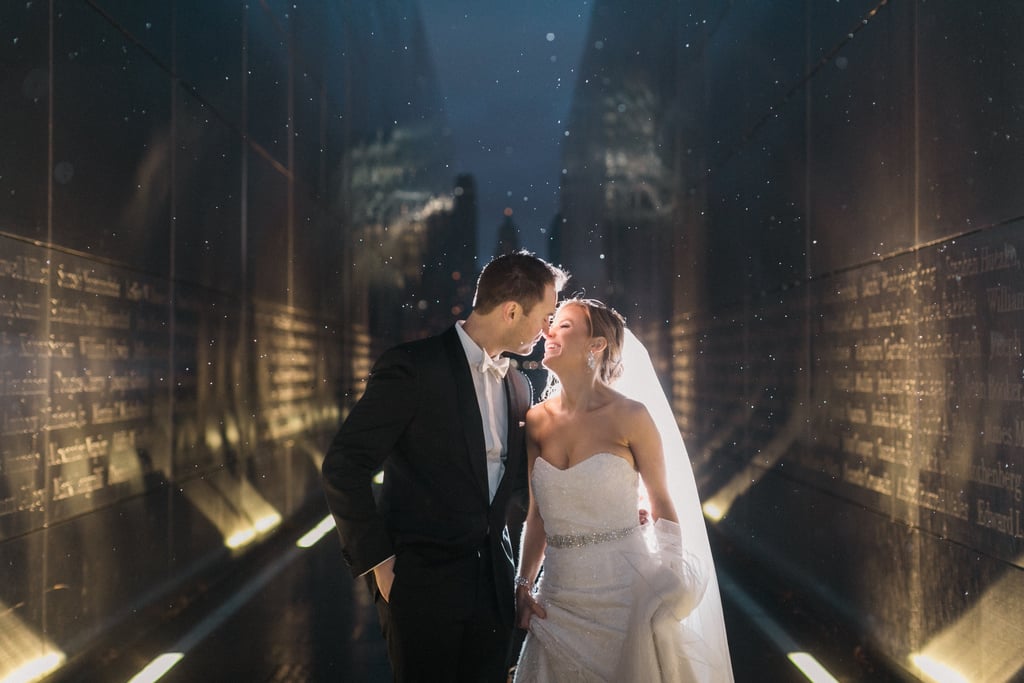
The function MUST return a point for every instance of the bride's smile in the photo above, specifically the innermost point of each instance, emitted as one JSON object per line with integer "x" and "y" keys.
{"x": 567, "y": 331}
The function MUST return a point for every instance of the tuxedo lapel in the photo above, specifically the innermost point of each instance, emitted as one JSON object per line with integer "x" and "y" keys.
{"x": 468, "y": 409}
{"x": 518, "y": 400}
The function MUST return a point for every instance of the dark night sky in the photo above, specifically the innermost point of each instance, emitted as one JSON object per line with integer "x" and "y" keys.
{"x": 507, "y": 71}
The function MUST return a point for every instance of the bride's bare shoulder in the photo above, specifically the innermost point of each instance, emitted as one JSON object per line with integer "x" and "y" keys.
{"x": 626, "y": 406}
{"x": 630, "y": 412}
{"x": 541, "y": 412}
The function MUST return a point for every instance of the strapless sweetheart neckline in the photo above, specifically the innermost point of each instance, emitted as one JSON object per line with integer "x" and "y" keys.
{"x": 585, "y": 460}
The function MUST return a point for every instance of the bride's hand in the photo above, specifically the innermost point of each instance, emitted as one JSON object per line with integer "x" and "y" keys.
{"x": 527, "y": 607}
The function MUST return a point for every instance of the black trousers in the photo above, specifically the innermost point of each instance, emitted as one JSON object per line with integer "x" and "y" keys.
{"x": 442, "y": 622}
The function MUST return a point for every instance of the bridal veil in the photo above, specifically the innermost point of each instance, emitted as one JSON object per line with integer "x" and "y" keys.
{"x": 699, "y": 650}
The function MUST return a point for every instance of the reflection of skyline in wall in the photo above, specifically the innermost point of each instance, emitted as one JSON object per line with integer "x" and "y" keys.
{"x": 407, "y": 222}
{"x": 617, "y": 193}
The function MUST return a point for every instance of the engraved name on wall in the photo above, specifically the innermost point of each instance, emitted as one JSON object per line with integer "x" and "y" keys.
{"x": 920, "y": 398}
{"x": 110, "y": 387}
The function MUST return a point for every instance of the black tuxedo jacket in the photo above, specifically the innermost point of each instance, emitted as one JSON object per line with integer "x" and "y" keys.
{"x": 420, "y": 420}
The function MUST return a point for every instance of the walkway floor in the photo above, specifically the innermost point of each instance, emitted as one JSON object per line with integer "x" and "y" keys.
{"x": 295, "y": 615}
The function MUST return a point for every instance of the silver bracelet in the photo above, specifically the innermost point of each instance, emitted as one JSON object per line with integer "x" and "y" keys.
{"x": 524, "y": 582}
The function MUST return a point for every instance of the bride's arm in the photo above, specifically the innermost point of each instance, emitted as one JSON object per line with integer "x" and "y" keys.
{"x": 645, "y": 444}
{"x": 533, "y": 543}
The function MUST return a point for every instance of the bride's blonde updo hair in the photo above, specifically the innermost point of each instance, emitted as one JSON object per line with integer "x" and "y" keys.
{"x": 603, "y": 321}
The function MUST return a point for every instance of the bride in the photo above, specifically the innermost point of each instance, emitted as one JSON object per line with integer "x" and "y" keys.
{"x": 617, "y": 601}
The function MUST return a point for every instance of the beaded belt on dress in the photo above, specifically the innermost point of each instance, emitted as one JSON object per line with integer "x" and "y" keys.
{"x": 580, "y": 540}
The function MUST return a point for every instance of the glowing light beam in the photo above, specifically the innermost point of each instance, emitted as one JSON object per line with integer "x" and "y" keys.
{"x": 313, "y": 536}
{"x": 936, "y": 670}
{"x": 156, "y": 669}
{"x": 811, "y": 668}
{"x": 35, "y": 669}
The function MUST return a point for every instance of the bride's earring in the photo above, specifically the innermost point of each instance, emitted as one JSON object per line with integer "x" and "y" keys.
{"x": 591, "y": 361}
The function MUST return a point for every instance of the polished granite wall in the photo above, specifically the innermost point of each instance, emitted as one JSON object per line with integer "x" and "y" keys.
{"x": 849, "y": 364}
{"x": 182, "y": 322}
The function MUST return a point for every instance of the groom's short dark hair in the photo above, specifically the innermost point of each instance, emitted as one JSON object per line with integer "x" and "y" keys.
{"x": 520, "y": 277}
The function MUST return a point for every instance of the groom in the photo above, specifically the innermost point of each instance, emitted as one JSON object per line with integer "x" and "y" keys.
{"x": 445, "y": 420}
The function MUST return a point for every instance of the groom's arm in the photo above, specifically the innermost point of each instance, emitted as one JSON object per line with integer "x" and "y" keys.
{"x": 358, "y": 452}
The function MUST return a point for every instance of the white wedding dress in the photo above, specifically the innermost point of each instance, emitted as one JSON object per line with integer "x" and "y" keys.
{"x": 620, "y": 598}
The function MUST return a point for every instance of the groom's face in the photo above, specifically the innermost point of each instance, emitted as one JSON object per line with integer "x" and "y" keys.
{"x": 534, "y": 323}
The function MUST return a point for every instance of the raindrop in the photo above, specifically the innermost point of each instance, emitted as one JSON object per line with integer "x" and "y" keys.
{"x": 63, "y": 172}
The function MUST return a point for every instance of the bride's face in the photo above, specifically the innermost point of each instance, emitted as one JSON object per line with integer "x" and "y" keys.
{"x": 566, "y": 342}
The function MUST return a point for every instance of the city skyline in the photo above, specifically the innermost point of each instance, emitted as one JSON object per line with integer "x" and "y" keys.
{"x": 507, "y": 75}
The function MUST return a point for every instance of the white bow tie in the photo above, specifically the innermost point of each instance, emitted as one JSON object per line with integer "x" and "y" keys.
{"x": 498, "y": 367}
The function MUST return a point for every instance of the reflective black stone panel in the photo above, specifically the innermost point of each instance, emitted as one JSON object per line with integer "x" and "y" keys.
{"x": 173, "y": 288}
{"x": 111, "y": 143}
{"x": 208, "y": 56}
{"x": 970, "y": 100}
{"x": 267, "y": 80}
{"x": 209, "y": 196}
{"x": 269, "y": 237}
{"x": 861, "y": 141}
{"x": 25, "y": 92}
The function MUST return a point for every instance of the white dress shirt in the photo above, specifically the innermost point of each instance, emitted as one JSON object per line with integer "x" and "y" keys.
{"x": 490, "y": 396}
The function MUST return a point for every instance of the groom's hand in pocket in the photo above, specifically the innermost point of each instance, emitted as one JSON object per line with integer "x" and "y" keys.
{"x": 527, "y": 607}
{"x": 384, "y": 575}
